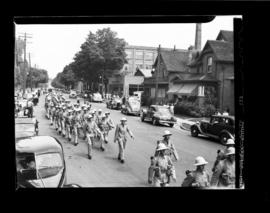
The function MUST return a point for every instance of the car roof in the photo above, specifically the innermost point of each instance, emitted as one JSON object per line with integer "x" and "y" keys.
{"x": 38, "y": 144}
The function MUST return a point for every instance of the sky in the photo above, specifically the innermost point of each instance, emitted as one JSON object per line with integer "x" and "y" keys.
{"x": 54, "y": 46}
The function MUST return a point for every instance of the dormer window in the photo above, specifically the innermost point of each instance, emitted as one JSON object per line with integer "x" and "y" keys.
{"x": 209, "y": 64}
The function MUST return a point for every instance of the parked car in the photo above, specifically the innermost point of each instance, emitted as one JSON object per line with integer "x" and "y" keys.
{"x": 158, "y": 114}
{"x": 25, "y": 127}
{"x": 220, "y": 127}
{"x": 40, "y": 163}
{"x": 131, "y": 106}
{"x": 115, "y": 103}
{"x": 96, "y": 97}
{"x": 73, "y": 94}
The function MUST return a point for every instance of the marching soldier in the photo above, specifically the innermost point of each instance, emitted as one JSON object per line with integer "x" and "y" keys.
{"x": 91, "y": 129}
{"x": 103, "y": 126}
{"x": 224, "y": 174}
{"x": 166, "y": 140}
{"x": 76, "y": 125}
{"x": 63, "y": 121}
{"x": 121, "y": 137}
{"x": 84, "y": 120}
{"x": 162, "y": 166}
{"x": 52, "y": 111}
{"x": 56, "y": 114}
{"x": 68, "y": 123}
{"x": 99, "y": 116}
{"x": 199, "y": 177}
{"x": 60, "y": 114}
{"x": 110, "y": 125}
{"x": 221, "y": 153}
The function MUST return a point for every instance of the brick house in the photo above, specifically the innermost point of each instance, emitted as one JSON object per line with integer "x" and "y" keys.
{"x": 168, "y": 65}
{"x": 216, "y": 63}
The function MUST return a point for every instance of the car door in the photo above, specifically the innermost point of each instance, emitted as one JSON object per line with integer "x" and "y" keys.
{"x": 216, "y": 126}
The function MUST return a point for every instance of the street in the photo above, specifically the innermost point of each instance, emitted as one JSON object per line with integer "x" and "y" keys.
{"x": 104, "y": 170}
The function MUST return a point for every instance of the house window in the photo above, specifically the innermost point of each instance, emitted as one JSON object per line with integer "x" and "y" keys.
{"x": 161, "y": 93}
{"x": 209, "y": 64}
{"x": 153, "y": 92}
{"x": 149, "y": 56}
{"x": 139, "y": 54}
{"x": 201, "y": 91}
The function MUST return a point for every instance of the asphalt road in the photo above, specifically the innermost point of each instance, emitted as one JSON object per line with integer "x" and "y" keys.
{"x": 104, "y": 170}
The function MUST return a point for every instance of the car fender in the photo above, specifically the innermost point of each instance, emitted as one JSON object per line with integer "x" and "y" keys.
{"x": 198, "y": 127}
{"x": 226, "y": 132}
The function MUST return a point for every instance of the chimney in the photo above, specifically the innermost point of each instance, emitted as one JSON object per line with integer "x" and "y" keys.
{"x": 198, "y": 36}
{"x": 174, "y": 48}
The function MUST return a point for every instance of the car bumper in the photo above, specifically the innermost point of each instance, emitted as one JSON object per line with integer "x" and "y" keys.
{"x": 166, "y": 122}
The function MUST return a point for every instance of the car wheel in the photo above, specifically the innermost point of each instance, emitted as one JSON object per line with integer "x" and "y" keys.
{"x": 154, "y": 121}
{"x": 142, "y": 117}
{"x": 223, "y": 138}
{"x": 171, "y": 125}
{"x": 194, "y": 131}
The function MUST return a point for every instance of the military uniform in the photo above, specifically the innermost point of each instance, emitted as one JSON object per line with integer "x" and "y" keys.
{"x": 224, "y": 174}
{"x": 68, "y": 120}
{"x": 60, "y": 118}
{"x": 104, "y": 128}
{"x": 56, "y": 114}
{"x": 196, "y": 178}
{"x": 121, "y": 138}
{"x": 64, "y": 115}
{"x": 171, "y": 149}
{"x": 76, "y": 124}
{"x": 91, "y": 129}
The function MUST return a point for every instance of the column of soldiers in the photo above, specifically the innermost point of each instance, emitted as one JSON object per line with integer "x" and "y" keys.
{"x": 71, "y": 121}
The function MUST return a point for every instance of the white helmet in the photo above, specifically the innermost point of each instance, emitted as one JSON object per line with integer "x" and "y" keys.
{"x": 230, "y": 151}
{"x": 167, "y": 132}
{"x": 230, "y": 142}
{"x": 161, "y": 146}
{"x": 123, "y": 119}
{"x": 200, "y": 161}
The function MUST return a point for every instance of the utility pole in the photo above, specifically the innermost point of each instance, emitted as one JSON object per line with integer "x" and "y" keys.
{"x": 25, "y": 36}
{"x": 30, "y": 72}
{"x": 156, "y": 73}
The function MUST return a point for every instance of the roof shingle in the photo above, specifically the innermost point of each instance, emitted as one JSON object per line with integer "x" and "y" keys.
{"x": 223, "y": 50}
{"x": 225, "y": 35}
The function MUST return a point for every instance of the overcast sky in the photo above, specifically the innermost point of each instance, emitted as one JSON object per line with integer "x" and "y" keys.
{"x": 54, "y": 46}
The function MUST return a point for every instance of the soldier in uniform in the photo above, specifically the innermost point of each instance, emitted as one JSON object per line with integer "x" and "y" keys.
{"x": 162, "y": 167}
{"x": 68, "y": 123}
{"x": 198, "y": 178}
{"x": 110, "y": 124}
{"x": 171, "y": 149}
{"x": 99, "y": 116}
{"x": 56, "y": 114}
{"x": 84, "y": 120}
{"x": 103, "y": 126}
{"x": 221, "y": 153}
{"x": 91, "y": 129}
{"x": 64, "y": 115}
{"x": 121, "y": 137}
{"x": 224, "y": 174}
{"x": 52, "y": 114}
{"x": 76, "y": 125}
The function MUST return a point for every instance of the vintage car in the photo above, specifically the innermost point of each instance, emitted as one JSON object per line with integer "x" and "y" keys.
{"x": 114, "y": 103}
{"x": 26, "y": 127}
{"x": 158, "y": 114}
{"x": 73, "y": 94}
{"x": 96, "y": 97}
{"x": 220, "y": 127}
{"x": 40, "y": 163}
{"x": 132, "y": 106}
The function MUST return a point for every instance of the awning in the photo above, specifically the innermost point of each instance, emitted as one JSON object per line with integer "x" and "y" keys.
{"x": 187, "y": 89}
{"x": 175, "y": 88}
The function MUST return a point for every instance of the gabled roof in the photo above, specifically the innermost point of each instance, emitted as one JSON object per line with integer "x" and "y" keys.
{"x": 225, "y": 35}
{"x": 143, "y": 72}
{"x": 175, "y": 60}
{"x": 222, "y": 50}
{"x": 197, "y": 77}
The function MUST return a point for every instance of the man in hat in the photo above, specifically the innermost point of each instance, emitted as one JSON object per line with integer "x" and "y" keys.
{"x": 52, "y": 114}
{"x": 56, "y": 115}
{"x": 103, "y": 126}
{"x": 199, "y": 177}
{"x": 99, "y": 116}
{"x": 68, "y": 123}
{"x": 110, "y": 124}
{"x": 76, "y": 125}
{"x": 91, "y": 129}
{"x": 60, "y": 117}
{"x": 162, "y": 167}
{"x": 167, "y": 141}
{"x": 64, "y": 115}
{"x": 84, "y": 120}
{"x": 121, "y": 137}
{"x": 224, "y": 174}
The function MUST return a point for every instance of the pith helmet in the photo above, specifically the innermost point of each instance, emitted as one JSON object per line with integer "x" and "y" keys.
{"x": 167, "y": 132}
{"x": 200, "y": 161}
{"x": 230, "y": 151}
{"x": 123, "y": 119}
{"x": 230, "y": 142}
{"x": 162, "y": 146}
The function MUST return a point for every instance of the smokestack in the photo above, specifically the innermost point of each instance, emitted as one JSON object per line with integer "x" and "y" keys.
{"x": 174, "y": 48}
{"x": 198, "y": 37}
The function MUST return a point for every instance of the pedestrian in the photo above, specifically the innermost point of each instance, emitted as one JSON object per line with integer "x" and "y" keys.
{"x": 56, "y": 115}
{"x": 84, "y": 120}
{"x": 221, "y": 153}
{"x": 91, "y": 129}
{"x": 121, "y": 137}
{"x": 198, "y": 178}
{"x": 76, "y": 125}
{"x": 224, "y": 174}
{"x": 63, "y": 121}
{"x": 110, "y": 124}
{"x": 68, "y": 123}
{"x": 162, "y": 167}
{"x": 167, "y": 141}
{"x": 30, "y": 108}
{"x": 104, "y": 128}
{"x": 99, "y": 116}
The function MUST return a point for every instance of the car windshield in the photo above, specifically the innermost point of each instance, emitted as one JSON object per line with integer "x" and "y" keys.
{"x": 49, "y": 164}
{"x": 163, "y": 111}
